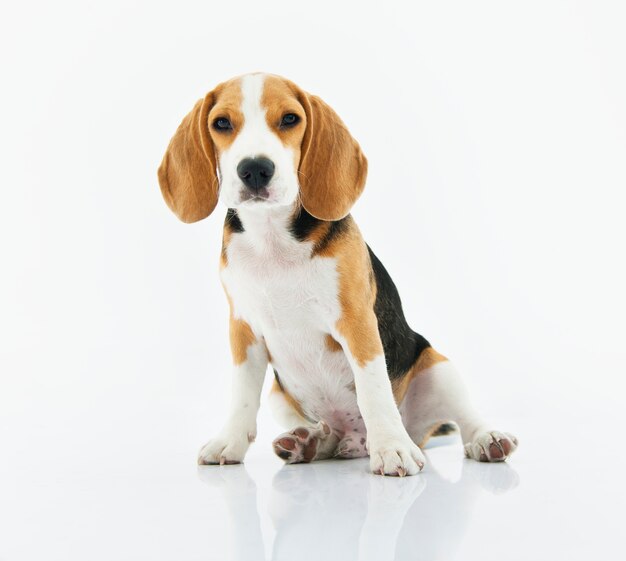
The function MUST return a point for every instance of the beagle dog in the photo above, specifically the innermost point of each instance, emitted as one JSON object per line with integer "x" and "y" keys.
{"x": 307, "y": 295}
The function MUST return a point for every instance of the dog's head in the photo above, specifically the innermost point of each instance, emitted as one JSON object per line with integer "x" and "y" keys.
{"x": 260, "y": 141}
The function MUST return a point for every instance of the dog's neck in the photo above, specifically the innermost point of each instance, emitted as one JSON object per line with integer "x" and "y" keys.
{"x": 263, "y": 222}
{"x": 273, "y": 233}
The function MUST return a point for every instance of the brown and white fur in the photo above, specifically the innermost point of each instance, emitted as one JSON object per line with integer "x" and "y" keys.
{"x": 307, "y": 296}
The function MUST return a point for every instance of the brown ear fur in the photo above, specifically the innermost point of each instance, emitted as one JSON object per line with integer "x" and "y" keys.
{"x": 332, "y": 167}
{"x": 187, "y": 174}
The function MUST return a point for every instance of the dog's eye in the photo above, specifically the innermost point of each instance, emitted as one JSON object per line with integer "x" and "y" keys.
{"x": 222, "y": 124}
{"x": 289, "y": 120}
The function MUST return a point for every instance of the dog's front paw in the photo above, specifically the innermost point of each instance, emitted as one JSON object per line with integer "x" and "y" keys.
{"x": 224, "y": 450}
{"x": 491, "y": 446}
{"x": 398, "y": 456}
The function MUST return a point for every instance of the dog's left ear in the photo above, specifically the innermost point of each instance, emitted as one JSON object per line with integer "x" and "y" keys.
{"x": 332, "y": 167}
{"x": 188, "y": 172}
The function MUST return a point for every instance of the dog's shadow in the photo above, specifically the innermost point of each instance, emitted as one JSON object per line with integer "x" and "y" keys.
{"x": 338, "y": 510}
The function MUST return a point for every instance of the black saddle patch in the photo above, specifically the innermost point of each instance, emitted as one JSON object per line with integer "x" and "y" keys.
{"x": 401, "y": 344}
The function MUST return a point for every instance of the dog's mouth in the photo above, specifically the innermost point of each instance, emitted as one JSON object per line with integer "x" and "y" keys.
{"x": 254, "y": 196}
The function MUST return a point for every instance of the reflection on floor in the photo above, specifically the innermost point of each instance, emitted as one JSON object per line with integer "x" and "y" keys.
{"x": 338, "y": 510}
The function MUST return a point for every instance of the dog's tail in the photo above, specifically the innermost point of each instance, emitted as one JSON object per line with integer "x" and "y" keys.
{"x": 445, "y": 429}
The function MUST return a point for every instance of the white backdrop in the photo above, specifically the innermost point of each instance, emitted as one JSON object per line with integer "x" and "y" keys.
{"x": 496, "y": 137}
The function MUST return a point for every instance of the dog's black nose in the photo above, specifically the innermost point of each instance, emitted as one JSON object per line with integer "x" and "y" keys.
{"x": 255, "y": 172}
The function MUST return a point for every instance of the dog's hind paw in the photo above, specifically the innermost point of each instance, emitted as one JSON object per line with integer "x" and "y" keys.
{"x": 302, "y": 444}
{"x": 491, "y": 446}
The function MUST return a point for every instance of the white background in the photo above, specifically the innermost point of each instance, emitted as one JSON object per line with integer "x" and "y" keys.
{"x": 496, "y": 138}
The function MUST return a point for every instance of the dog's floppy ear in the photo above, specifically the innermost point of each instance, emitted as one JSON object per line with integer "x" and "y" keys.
{"x": 332, "y": 167}
{"x": 187, "y": 175}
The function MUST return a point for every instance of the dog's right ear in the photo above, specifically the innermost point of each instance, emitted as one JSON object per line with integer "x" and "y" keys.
{"x": 188, "y": 172}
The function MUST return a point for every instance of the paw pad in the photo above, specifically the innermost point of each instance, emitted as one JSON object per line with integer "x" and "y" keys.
{"x": 300, "y": 445}
{"x": 491, "y": 446}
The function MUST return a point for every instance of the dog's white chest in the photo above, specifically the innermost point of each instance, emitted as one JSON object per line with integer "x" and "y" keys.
{"x": 276, "y": 291}
{"x": 291, "y": 300}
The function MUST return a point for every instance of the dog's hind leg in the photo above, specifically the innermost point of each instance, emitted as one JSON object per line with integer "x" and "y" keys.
{"x": 436, "y": 395}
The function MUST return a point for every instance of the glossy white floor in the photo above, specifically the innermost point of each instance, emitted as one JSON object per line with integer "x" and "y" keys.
{"x": 112, "y": 475}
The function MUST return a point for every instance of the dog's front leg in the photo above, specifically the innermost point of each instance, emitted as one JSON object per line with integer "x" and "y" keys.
{"x": 250, "y": 364}
{"x": 391, "y": 450}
